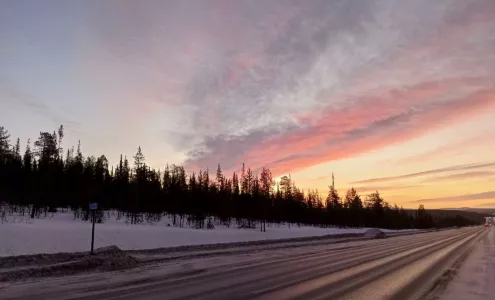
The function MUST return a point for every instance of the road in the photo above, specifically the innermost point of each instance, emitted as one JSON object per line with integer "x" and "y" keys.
{"x": 403, "y": 267}
{"x": 476, "y": 278}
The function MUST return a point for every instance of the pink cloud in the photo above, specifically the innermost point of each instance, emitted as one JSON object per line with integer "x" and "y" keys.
{"x": 378, "y": 109}
{"x": 331, "y": 137}
{"x": 372, "y": 124}
{"x": 418, "y": 126}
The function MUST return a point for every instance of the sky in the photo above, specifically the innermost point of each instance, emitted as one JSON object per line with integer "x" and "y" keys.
{"x": 395, "y": 96}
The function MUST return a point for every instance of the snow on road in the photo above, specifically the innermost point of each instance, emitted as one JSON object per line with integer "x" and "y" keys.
{"x": 61, "y": 233}
{"x": 476, "y": 278}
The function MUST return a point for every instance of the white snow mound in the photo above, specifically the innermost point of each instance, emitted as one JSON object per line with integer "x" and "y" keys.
{"x": 374, "y": 233}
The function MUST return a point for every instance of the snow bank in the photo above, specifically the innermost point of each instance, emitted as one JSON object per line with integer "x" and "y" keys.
{"x": 476, "y": 278}
{"x": 61, "y": 233}
{"x": 374, "y": 233}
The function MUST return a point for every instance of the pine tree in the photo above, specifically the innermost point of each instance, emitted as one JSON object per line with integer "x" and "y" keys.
{"x": 60, "y": 138}
{"x": 266, "y": 189}
{"x": 4, "y": 145}
{"x": 28, "y": 157}
{"x": 220, "y": 178}
{"x": 17, "y": 150}
{"x": 333, "y": 199}
{"x": 353, "y": 200}
{"x": 79, "y": 156}
{"x": 139, "y": 159}
{"x": 41, "y": 180}
{"x": 4, "y": 140}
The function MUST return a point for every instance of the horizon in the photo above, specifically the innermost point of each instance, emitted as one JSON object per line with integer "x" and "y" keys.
{"x": 385, "y": 101}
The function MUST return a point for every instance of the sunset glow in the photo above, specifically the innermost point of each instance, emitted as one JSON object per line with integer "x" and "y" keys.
{"x": 394, "y": 96}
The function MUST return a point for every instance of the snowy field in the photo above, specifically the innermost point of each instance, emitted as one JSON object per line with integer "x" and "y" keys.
{"x": 59, "y": 232}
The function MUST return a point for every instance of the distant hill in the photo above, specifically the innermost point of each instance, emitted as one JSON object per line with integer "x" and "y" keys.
{"x": 475, "y": 214}
{"x": 483, "y": 211}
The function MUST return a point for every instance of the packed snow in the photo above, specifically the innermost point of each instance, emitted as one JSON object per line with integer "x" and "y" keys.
{"x": 476, "y": 278}
{"x": 60, "y": 232}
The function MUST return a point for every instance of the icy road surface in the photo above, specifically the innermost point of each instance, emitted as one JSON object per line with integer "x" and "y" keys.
{"x": 476, "y": 278}
{"x": 402, "y": 268}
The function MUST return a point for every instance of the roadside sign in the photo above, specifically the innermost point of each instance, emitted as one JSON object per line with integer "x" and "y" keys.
{"x": 93, "y": 207}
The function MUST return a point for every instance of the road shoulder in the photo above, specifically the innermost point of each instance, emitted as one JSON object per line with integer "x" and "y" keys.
{"x": 475, "y": 280}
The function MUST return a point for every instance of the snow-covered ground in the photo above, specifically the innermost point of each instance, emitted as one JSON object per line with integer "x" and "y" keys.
{"x": 476, "y": 277}
{"x": 59, "y": 232}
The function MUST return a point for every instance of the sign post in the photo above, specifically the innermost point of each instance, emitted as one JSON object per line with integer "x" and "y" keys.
{"x": 93, "y": 207}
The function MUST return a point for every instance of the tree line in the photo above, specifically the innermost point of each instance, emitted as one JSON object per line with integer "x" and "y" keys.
{"x": 45, "y": 177}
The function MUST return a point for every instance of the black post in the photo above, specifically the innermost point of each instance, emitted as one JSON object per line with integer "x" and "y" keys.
{"x": 93, "y": 231}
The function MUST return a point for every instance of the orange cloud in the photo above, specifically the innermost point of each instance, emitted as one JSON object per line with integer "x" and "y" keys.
{"x": 462, "y": 176}
{"x": 451, "y": 149}
{"x": 383, "y": 188}
{"x": 467, "y": 197}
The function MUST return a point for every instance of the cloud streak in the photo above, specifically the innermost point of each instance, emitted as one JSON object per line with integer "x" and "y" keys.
{"x": 13, "y": 94}
{"x": 449, "y": 150}
{"x": 485, "y": 205}
{"x": 462, "y": 176}
{"x": 384, "y": 188}
{"x": 467, "y": 197}
{"x": 481, "y": 165}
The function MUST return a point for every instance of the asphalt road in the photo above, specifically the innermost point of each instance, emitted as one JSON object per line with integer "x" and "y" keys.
{"x": 403, "y": 267}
